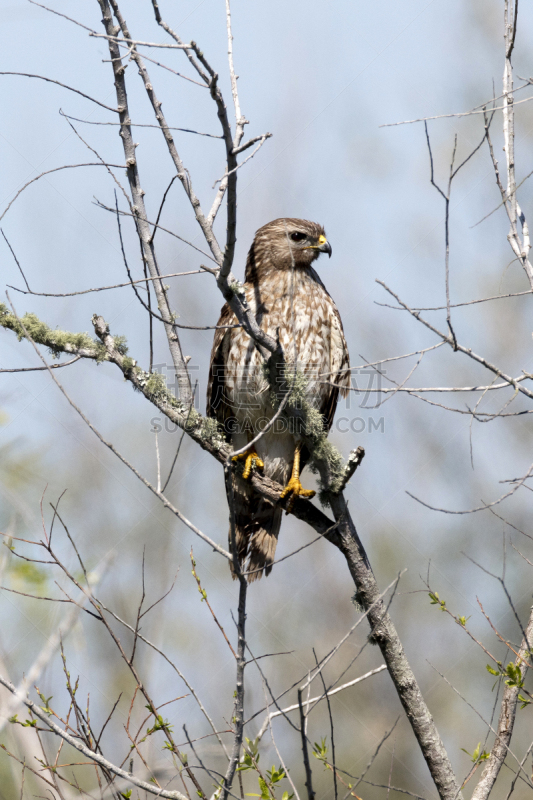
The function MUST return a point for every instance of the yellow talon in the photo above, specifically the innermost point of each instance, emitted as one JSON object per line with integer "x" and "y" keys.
{"x": 251, "y": 460}
{"x": 294, "y": 487}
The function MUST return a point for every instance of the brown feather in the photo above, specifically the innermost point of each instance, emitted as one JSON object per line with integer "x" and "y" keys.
{"x": 281, "y": 286}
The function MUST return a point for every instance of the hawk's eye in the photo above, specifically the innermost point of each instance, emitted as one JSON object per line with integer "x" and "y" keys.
{"x": 297, "y": 236}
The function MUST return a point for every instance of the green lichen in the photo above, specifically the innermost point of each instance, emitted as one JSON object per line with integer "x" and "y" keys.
{"x": 153, "y": 386}
{"x": 128, "y": 363}
{"x": 101, "y": 352}
{"x": 237, "y": 288}
{"x": 121, "y": 345}
{"x": 211, "y": 432}
{"x": 325, "y": 458}
{"x": 205, "y": 428}
{"x": 156, "y": 386}
{"x": 57, "y": 341}
{"x": 328, "y": 453}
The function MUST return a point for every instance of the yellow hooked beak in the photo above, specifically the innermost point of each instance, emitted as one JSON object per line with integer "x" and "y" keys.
{"x": 323, "y": 245}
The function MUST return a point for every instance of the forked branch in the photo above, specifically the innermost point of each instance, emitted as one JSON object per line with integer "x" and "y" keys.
{"x": 506, "y": 721}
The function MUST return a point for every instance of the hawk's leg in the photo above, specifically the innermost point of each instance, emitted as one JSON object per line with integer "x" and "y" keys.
{"x": 294, "y": 487}
{"x": 251, "y": 460}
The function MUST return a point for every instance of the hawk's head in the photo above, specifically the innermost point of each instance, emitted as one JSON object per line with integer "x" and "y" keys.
{"x": 286, "y": 242}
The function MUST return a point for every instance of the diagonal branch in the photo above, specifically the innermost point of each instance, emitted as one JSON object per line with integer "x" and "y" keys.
{"x": 511, "y": 381}
{"x": 137, "y": 193}
{"x": 343, "y": 535}
{"x": 305, "y": 752}
{"x": 63, "y": 86}
{"x": 55, "y": 169}
{"x": 328, "y": 693}
{"x": 95, "y": 757}
{"x": 183, "y": 174}
{"x": 226, "y": 282}
{"x": 521, "y": 247}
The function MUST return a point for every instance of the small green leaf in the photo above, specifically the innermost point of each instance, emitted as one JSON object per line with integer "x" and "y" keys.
{"x": 436, "y": 601}
{"x": 252, "y": 745}
{"x": 275, "y": 775}
{"x": 514, "y": 675}
{"x": 160, "y": 725}
{"x": 265, "y": 794}
{"x": 475, "y": 756}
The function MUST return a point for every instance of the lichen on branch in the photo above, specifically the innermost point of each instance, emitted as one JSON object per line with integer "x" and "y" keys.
{"x": 57, "y": 341}
{"x": 326, "y": 461}
{"x": 114, "y": 348}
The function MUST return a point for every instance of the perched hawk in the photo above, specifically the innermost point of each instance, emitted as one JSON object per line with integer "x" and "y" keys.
{"x": 290, "y": 301}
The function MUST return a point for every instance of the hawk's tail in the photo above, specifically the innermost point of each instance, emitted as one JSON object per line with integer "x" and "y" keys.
{"x": 257, "y": 524}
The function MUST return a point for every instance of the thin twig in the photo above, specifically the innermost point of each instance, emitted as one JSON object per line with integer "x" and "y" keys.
{"x": 48, "y": 172}
{"x": 82, "y": 748}
{"x": 146, "y": 280}
{"x": 63, "y": 86}
{"x": 331, "y": 729}
{"x": 147, "y": 125}
{"x": 305, "y": 752}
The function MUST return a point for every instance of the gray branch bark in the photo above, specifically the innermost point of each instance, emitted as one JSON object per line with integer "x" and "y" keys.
{"x": 137, "y": 193}
{"x": 343, "y": 535}
{"x": 96, "y": 757}
{"x": 505, "y": 723}
{"x": 386, "y": 637}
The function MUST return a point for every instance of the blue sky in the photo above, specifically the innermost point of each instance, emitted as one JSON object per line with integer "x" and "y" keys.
{"x": 323, "y": 78}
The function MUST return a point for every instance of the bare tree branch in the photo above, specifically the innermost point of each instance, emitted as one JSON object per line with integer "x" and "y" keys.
{"x": 82, "y": 748}
{"x": 63, "y": 86}
{"x": 137, "y": 194}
